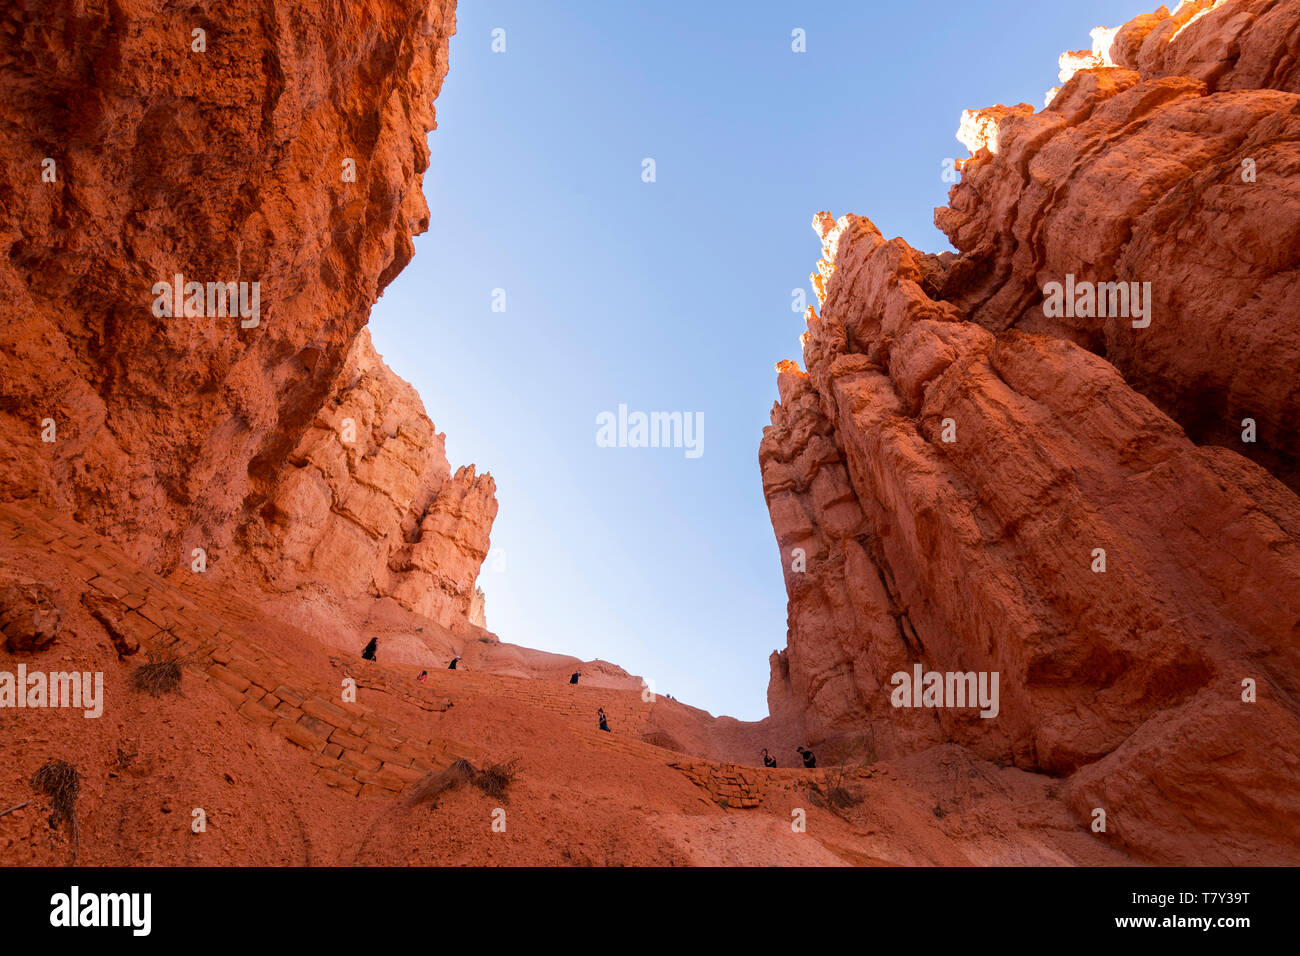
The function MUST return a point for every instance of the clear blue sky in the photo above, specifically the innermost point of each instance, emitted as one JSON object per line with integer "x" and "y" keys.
{"x": 673, "y": 295}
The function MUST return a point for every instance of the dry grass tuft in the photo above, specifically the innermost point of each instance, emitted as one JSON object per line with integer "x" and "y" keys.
{"x": 495, "y": 781}
{"x": 158, "y": 677}
{"x": 834, "y": 792}
{"x": 61, "y": 783}
{"x": 432, "y": 786}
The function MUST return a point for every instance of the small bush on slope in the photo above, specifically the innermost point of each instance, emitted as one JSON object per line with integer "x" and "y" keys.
{"x": 158, "y": 677}
{"x": 61, "y": 783}
{"x": 495, "y": 781}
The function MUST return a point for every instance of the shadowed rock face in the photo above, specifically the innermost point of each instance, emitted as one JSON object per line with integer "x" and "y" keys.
{"x": 283, "y": 145}
{"x": 947, "y": 475}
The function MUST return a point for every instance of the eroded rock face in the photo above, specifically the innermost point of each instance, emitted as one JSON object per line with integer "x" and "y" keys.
{"x": 221, "y": 165}
{"x": 29, "y": 616}
{"x": 369, "y": 506}
{"x": 1227, "y": 44}
{"x": 1171, "y": 156}
{"x": 478, "y": 609}
{"x": 275, "y": 148}
{"x": 959, "y": 484}
{"x": 109, "y": 612}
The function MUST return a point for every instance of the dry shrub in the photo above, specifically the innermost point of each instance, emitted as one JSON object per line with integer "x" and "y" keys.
{"x": 158, "y": 677}
{"x": 432, "y": 786}
{"x": 834, "y": 793}
{"x": 495, "y": 781}
{"x": 61, "y": 783}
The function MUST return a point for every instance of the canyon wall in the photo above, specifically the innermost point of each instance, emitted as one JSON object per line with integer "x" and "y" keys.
{"x": 367, "y": 504}
{"x": 1174, "y": 159}
{"x": 962, "y": 483}
{"x": 234, "y": 143}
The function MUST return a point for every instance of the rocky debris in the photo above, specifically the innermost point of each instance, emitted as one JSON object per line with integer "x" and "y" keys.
{"x": 110, "y": 612}
{"x": 959, "y": 485}
{"x": 728, "y": 785}
{"x": 29, "y": 616}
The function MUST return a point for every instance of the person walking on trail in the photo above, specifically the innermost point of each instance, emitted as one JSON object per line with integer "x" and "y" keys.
{"x": 809, "y": 759}
{"x": 600, "y": 711}
{"x": 573, "y": 678}
{"x": 768, "y": 759}
{"x": 369, "y": 653}
{"x": 454, "y": 661}
{"x": 423, "y": 675}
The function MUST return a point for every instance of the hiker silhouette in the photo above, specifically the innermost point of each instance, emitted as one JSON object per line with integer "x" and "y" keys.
{"x": 369, "y": 653}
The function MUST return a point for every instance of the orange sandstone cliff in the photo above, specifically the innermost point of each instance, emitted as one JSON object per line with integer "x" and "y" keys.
{"x": 232, "y": 143}
{"x": 959, "y": 480}
{"x": 946, "y": 466}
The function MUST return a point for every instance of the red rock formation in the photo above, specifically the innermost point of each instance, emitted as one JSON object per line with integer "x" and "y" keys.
{"x": 1173, "y": 161}
{"x": 228, "y": 143}
{"x": 1237, "y": 45}
{"x": 29, "y": 616}
{"x": 368, "y": 505}
{"x": 951, "y": 466}
{"x": 109, "y": 613}
{"x": 941, "y": 478}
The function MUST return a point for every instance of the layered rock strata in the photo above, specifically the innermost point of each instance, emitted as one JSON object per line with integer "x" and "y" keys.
{"x": 1170, "y": 158}
{"x": 368, "y": 504}
{"x": 199, "y": 206}
{"x": 962, "y": 484}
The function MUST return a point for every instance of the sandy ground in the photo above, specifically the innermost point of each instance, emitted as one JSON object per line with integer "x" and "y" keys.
{"x": 149, "y": 764}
